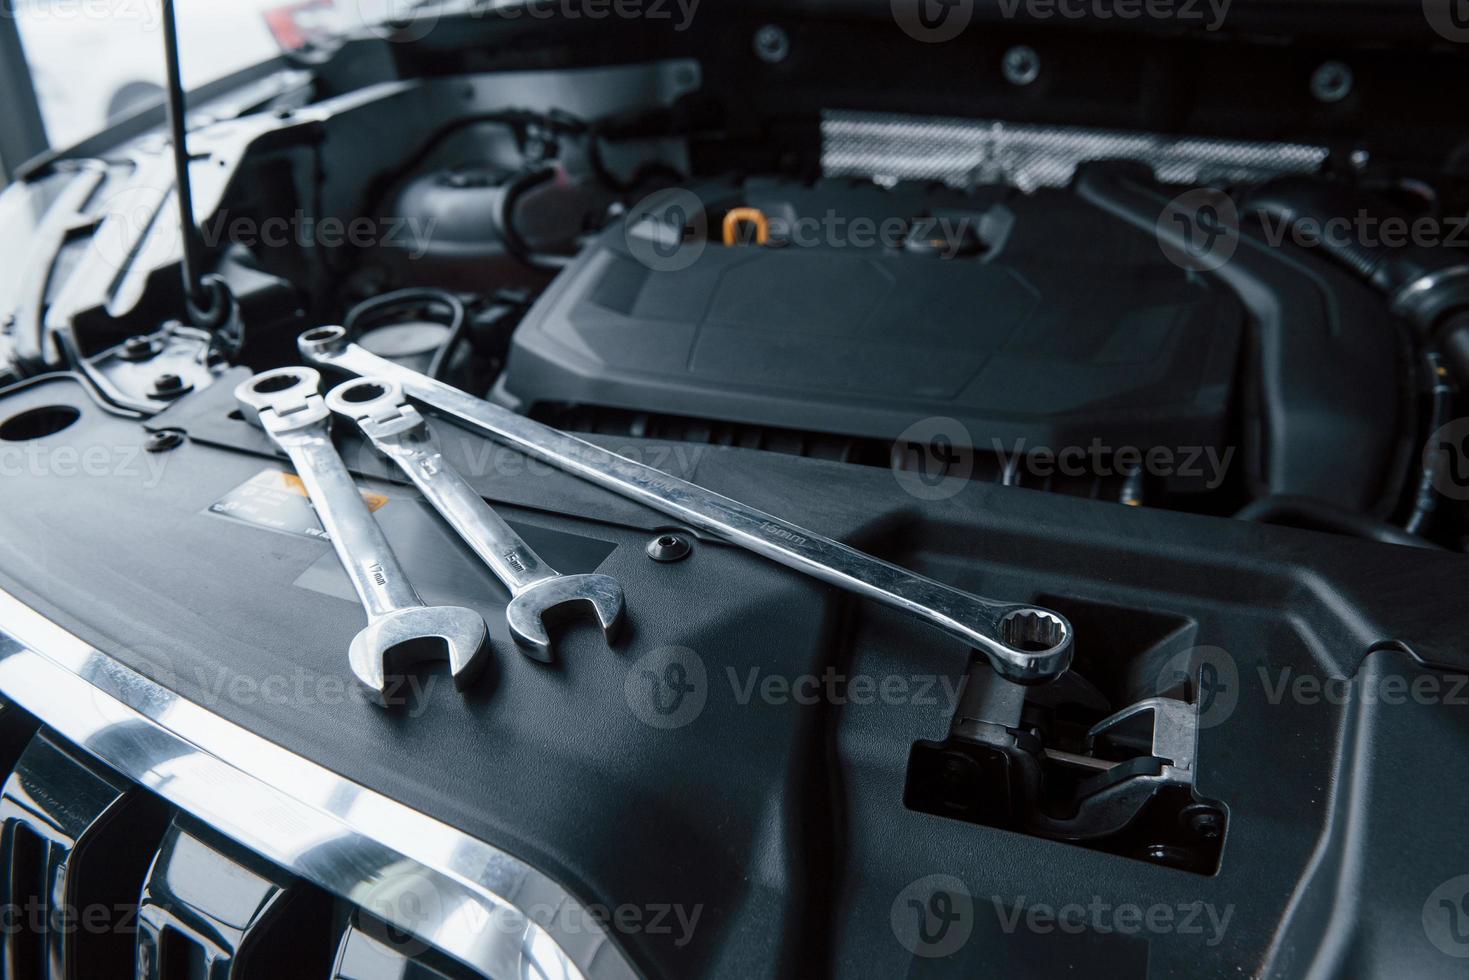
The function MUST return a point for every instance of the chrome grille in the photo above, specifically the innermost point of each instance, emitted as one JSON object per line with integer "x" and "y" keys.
{"x": 99, "y": 879}
{"x": 143, "y": 836}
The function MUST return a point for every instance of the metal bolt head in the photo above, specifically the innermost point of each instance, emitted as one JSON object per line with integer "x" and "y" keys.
{"x": 169, "y": 386}
{"x": 668, "y": 547}
{"x": 772, "y": 44}
{"x": 139, "y": 348}
{"x": 322, "y": 340}
{"x": 1331, "y": 82}
{"x": 1202, "y": 821}
{"x": 1206, "y": 827}
{"x": 1021, "y": 65}
{"x": 163, "y": 440}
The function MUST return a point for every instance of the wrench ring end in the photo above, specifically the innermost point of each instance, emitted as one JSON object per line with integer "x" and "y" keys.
{"x": 1037, "y": 645}
{"x": 275, "y": 390}
{"x": 361, "y": 397}
{"x": 322, "y": 342}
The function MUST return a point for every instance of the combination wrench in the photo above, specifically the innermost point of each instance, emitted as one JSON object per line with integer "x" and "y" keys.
{"x": 288, "y": 405}
{"x": 1024, "y": 643}
{"x": 536, "y": 589}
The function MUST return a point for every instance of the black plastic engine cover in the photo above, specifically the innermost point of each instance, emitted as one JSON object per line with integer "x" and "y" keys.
{"x": 1035, "y": 335}
{"x": 778, "y": 819}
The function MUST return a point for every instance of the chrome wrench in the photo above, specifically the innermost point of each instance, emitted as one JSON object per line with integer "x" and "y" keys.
{"x": 399, "y": 432}
{"x": 287, "y": 404}
{"x": 1024, "y": 643}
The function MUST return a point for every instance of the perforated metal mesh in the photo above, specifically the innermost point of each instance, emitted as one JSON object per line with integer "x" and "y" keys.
{"x": 968, "y": 152}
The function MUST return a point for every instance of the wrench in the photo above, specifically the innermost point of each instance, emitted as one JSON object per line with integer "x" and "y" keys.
{"x": 1024, "y": 643}
{"x": 288, "y": 405}
{"x": 401, "y": 433}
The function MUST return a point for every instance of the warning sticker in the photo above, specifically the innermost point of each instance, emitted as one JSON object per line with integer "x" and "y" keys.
{"x": 276, "y": 500}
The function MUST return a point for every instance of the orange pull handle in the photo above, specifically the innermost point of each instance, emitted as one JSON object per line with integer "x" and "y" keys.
{"x": 739, "y": 216}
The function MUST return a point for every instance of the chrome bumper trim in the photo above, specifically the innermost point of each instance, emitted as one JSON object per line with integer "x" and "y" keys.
{"x": 475, "y": 902}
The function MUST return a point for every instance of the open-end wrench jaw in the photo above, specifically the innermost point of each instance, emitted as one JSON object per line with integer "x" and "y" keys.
{"x": 401, "y": 631}
{"x": 528, "y": 610}
{"x": 537, "y": 591}
{"x": 405, "y": 638}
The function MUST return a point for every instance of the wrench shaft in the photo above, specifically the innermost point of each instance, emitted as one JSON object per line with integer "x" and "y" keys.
{"x": 365, "y": 554}
{"x": 486, "y": 533}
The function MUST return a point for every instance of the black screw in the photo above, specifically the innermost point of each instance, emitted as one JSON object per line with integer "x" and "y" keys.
{"x": 1206, "y": 824}
{"x": 1021, "y": 65}
{"x": 169, "y": 386}
{"x": 163, "y": 440}
{"x": 772, "y": 44}
{"x": 1331, "y": 82}
{"x": 669, "y": 548}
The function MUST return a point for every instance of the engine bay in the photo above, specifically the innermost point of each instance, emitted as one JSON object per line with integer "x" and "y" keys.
{"x": 1058, "y": 337}
{"x": 1091, "y": 351}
